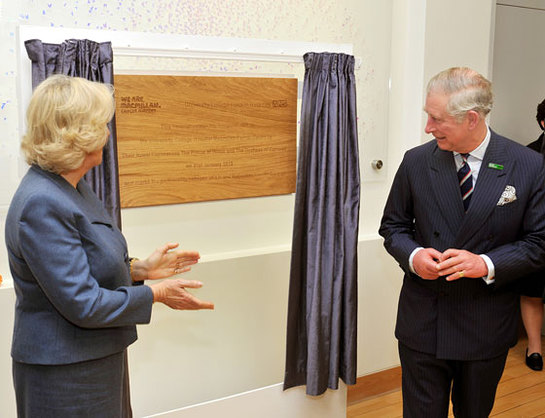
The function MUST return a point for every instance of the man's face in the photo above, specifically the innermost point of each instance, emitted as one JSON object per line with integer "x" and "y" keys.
{"x": 450, "y": 134}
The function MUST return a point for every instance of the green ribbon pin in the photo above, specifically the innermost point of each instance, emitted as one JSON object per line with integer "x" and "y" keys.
{"x": 495, "y": 166}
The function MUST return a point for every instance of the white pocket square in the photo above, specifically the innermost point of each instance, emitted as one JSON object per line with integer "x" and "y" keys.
{"x": 509, "y": 195}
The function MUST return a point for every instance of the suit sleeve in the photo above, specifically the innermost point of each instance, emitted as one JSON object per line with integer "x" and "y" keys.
{"x": 51, "y": 246}
{"x": 397, "y": 224}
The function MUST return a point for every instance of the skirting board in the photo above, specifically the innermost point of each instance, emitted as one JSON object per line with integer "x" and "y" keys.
{"x": 269, "y": 402}
{"x": 374, "y": 384}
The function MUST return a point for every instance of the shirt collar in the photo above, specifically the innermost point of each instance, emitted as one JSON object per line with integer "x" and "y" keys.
{"x": 481, "y": 149}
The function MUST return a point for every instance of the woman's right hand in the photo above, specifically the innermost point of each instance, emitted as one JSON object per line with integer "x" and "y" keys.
{"x": 173, "y": 293}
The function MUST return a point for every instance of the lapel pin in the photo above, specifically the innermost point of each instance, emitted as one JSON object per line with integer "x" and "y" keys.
{"x": 495, "y": 166}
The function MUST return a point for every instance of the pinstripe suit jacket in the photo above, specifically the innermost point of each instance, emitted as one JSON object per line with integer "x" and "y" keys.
{"x": 75, "y": 299}
{"x": 465, "y": 319}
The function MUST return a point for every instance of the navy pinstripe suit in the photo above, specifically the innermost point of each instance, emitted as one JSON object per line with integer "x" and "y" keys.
{"x": 465, "y": 319}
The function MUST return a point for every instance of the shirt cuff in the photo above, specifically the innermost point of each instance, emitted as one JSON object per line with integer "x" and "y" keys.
{"x": 411, "y": 258}
{"x": 489, "y": 279}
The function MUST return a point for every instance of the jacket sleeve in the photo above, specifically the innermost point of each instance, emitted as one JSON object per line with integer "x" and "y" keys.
{"x": 51, "y": 246}
{"x": 397, "y": 224}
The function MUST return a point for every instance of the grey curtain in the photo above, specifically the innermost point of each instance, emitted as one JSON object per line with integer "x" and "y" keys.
{"x": 92, "y": 61}
{"x": 322, "y": 305}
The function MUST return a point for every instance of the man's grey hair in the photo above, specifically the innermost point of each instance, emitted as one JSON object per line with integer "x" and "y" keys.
{"x": 467, "y": 90}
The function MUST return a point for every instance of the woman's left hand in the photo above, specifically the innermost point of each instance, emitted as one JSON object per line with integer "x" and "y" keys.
{"x": 164, "y": 262}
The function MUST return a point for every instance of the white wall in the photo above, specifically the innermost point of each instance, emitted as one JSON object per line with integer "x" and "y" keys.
{"x": 458, "y": 34}
{"x": 518, "y": 66}
{"x": 428, "y": 37}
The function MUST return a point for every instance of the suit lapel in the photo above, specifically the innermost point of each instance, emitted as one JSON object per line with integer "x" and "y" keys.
{"x": 488, "y": 189}
{"x": 91, "y": 205}
{"x": 446, "y": 187}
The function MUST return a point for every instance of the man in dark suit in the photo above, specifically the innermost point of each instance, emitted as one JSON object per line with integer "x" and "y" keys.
{"x": 464, "y": 219}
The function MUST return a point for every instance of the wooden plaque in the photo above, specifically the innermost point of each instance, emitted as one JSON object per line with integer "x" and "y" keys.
{"x": 188, "y": 139}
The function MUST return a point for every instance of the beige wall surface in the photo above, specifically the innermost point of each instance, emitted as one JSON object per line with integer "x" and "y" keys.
{"x": 518, "y": 66}
{"x": 458, "y": 34}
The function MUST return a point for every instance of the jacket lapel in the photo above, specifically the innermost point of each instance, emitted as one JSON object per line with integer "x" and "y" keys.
{"x": 490, "y": 184}
{"x": 446, "y": 187}
{"x": 91, "y": 205}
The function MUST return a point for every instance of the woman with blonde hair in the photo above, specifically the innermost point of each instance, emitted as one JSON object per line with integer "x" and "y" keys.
{"x": 79, "y": 295}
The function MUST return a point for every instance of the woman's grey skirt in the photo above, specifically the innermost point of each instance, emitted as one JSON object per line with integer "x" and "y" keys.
{"x": 94, "y": 388}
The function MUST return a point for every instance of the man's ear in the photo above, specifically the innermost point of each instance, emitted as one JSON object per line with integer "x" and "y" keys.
{"x": 473, "y": 118}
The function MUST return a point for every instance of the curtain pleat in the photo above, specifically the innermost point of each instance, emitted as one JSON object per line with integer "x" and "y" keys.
{"x": 322, "y": 305}
{"x": 92, "y": 61}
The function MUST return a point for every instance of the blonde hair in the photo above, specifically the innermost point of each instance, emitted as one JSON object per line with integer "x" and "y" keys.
{"x": 66, "y": 120}
{"x": 467, "y": 90}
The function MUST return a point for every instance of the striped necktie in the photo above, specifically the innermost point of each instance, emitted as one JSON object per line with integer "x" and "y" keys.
{"x": 466, "y": 181}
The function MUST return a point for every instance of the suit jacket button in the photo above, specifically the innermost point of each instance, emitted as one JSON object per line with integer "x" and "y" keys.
{"x": 435, "y": 234}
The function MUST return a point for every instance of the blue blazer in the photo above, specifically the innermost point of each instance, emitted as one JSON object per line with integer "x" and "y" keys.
{"x": 69, "y": 262}
{"x": 465, "y": 319}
